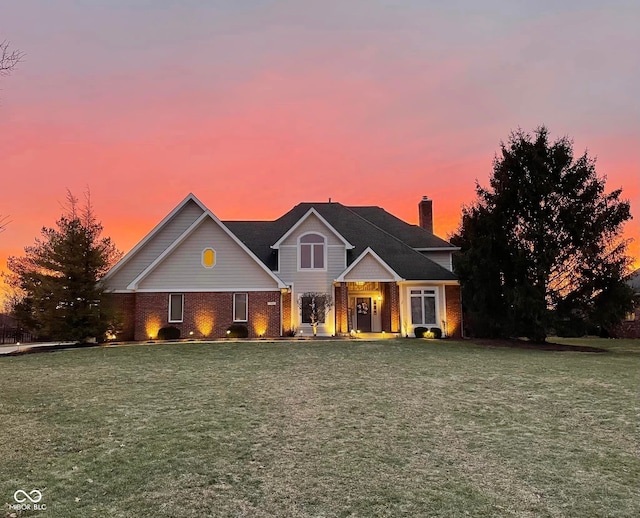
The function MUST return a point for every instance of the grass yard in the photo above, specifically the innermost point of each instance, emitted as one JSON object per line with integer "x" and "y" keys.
{"x": 346, "y": 429}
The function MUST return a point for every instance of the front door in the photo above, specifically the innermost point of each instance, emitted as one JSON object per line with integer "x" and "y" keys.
{"x": 363, "y": 311}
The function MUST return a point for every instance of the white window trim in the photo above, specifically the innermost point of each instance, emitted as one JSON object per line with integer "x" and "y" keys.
{"x": 181, "y": 309}
{"x": 436, "y": 297}
{"x": 215, "y": 257}
{"x": 299, "y": 252}
{"x": 246, "y": 296}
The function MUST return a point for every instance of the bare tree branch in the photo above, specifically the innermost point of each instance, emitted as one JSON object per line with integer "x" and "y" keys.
{"x": 4, "y": 221}
{"x": 9, "y": 59}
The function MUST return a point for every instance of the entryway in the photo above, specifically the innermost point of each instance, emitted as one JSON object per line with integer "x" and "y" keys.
{"x": 363, "y": 314}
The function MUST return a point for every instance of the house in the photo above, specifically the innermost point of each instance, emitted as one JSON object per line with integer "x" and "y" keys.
{"x": 630, "y": 326}
{"x": 201, "y": 275}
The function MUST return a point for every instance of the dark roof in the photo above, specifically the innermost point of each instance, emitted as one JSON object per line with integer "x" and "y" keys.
{"x": 258, "y": 236}
{"x": 412, "y": 235}
{"x": 384, "y": 233}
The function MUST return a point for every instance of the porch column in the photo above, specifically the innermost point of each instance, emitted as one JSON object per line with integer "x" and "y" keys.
{"x": 391, "y": 308}
{"x": 454, "y": 311}
{"x": 342, "y": 304}
{"x": 285, "y": 302}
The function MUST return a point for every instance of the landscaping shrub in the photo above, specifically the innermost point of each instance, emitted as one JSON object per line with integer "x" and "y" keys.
{"x": 420, "y": 331}
{"x": 572, "y": 327}
{"x": 168, "y": 333}
{"x": 437, "y": 332}
{"x": 237, "y": 331}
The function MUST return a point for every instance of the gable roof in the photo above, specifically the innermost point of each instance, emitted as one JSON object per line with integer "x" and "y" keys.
{"x": 309, "y": 213}
{"x": 155, "y": 231}
{"x": 363, "y": 230}
{"x": 207, "y": 215}
{"x": 357, "y": 230}
{"x": 369, "y": 253}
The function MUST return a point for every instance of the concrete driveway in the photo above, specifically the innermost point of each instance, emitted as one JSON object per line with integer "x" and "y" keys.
{"x": 13, "y": 348}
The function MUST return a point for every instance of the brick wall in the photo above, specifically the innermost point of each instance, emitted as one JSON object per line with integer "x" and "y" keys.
{"x": 124, "y": 306}
{"x": 391, "y": 308}
{"x": 287, "y": 325}
{"x": 207, "y": 315}
{"x": 342, "y": 309}
{"x": 454, "y": 311}
{"x": 629, "y": 328}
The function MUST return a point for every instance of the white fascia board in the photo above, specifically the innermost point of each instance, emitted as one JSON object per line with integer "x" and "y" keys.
{"x": 311, "y": 211}
{"x": 369, "y": 251}
{"x": 154, "y": 231}
{"x": 207, "y": 214}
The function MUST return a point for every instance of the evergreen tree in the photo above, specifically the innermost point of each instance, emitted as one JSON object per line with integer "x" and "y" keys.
{"x": 58, "y": 277}
{"x": 542, "y": 245}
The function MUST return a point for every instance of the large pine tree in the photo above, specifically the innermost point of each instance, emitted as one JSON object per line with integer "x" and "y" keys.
{"x": 58, "y": 276}
{"x": 542, "y": 245}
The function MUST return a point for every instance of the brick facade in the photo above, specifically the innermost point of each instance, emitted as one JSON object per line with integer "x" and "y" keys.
{"x": 342, "y": 309}
{"x": 124, "y": 306}
{"x": 391, "y": 308}
{"x": 454, "y": 311}
{"x": 207, "y": 315}
{"x": 287, "y": 325}
{"x": 629, "y": 328}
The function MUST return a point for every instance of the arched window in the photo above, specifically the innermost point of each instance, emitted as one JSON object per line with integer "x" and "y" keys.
{"x": 312, "y": 252}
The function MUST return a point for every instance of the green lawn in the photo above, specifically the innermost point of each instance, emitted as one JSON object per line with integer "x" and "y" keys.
{"x": 391, "y": 428}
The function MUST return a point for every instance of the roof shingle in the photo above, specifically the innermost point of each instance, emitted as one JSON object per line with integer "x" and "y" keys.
{"x": 391, "y": 238}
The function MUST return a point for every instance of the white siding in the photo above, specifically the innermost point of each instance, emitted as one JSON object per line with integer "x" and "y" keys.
{"x": 312, "y": 224}
{"x": 310, "y": 280}
{"x": 183, "y": 270}
{"x": 441, "y": 258}
{"x": 154, "y": 247}
{"x": 369, "y": 269}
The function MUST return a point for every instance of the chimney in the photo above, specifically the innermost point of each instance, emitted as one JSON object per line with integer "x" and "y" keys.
{"x": 425, "y": 213}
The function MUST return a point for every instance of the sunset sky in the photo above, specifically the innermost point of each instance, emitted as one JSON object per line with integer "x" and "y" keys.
{"x": 256, "y": 105}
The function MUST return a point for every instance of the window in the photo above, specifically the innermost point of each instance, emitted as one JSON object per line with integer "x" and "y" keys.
{"x": 176, "y": 307}
{"x": 208, "y": 258}
{"x": 313, "y": 306}
{"x": 423, "y": 307}
{"x": 312, "y": 248}
{"x": 240, "y": 307}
